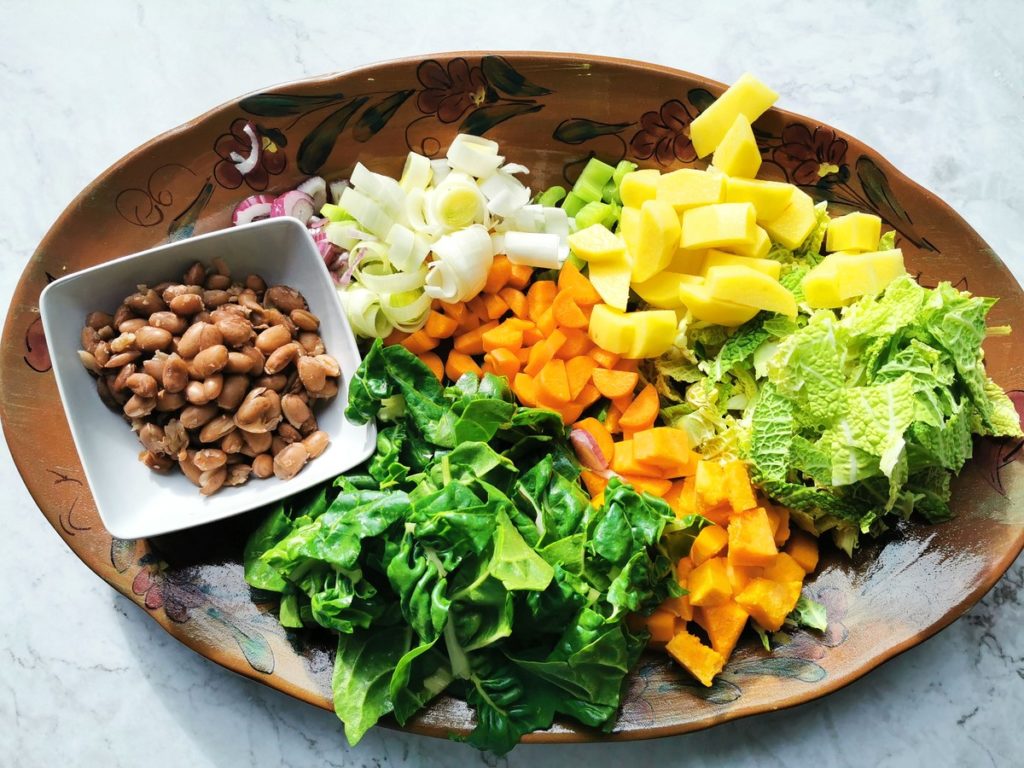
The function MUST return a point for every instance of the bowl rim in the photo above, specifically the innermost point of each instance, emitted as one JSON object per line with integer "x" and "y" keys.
{"x": 834, "y": 682}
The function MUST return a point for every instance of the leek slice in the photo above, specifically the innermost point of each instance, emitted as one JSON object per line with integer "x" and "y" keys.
{"x": 364, "y": 312}
{"x": 408, "y": 251}
{"x": 406, "y": 311}
{"x": 534, "y": 249}
{"x": 474, "y": 155}
{"x": 367, "y": 211}
{"x": 383, "y": 189}
{"x": 505, "y": 193}
{"x": 417, "y": 172}
{"x": 456, "y": 203}
{"x": 461, "y": 263}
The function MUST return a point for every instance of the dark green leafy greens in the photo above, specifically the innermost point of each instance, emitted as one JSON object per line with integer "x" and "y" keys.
{"x": 465, "y": 557}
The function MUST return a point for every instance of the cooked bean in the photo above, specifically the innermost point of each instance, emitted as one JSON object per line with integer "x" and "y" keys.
{"x": 122, "y": 343}
{"x": 195, "y": 393}
{"x": 175, "y": 324}
{"x": 156, "y": 462}
{"x": 175, "y": 290}
{"x": 195, "y": 416}
{"x": 188, "y": 346}
{"x": 309, "y": 426}
{"x": 313, "y": 373}
{"x": 255, "y": 283}
{"x": 259, "y": 412}
{"x": 106, "y": 333}
{"x": 121, "y": 379}
{"x": 247, "y": 299}
{"x": 288, "y": 433}
{"x": 331, "y": 365}
{"x": 312, "y": 343}
{"x": 187, "y": 304}
{"x": 316, "y": 443}
{"x": 150, "y": 339}
{"x": 238, "y": 363}
{"x": 210, "y": 482}
{"x": 131, "y": 326}
{"x": 258, "y": 358}
{"x": 304, "y": 319}
{"x": 295, "y": 410}
{"x": 272, "y": 338}
{"x": 97, "y": 320}
{"x": 169, "y": 401}
{"x": 258, "y": 442}
{"x": 190, "y": 470}
{"x": 215, "y": 298}
{"x": 89, "y": 362}
{"x": 290, "y": 460}
{"x": 210, "y": 336}
{"x": 282, "y": 357}
{"x": 263, "y": 465}
{"x": 143, "y": 385}
{"x": 232, "y": 442}
{"x": 278, "y": 382}
{"x": 120, "y": 359}
{"x": 235, "y": 329}
{"x": 101, "y": 351}
{"x": 175, "y": 376}
{"x": 330, "y": 390}
{"x": 233, "y": 392}
{"x": 195, "y": 274}
{"x": 284, "y": 298}
{"x": 152, "y": 438}
{"x": 154, "y": 366}
{"x": 210, "y": 360}
{"x": 137, "y": 407}
{"x": 271, "y": 317}
{"x": 212, "y": 386}
{"x": 209, "y": 458}
{"x": 121, "y": 314}
{"x": 217, "y": 282}
{"x": 145, "y": 302}
{"x": 238, "y": 474}
{"x": 176, "y": 438}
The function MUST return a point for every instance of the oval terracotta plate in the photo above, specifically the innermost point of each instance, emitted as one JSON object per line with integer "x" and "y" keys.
{"x": 551, "y": 112}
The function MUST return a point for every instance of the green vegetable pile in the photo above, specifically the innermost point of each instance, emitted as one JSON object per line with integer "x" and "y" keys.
{"x": 851, "y": 419}
{"x": 467, "y": 558}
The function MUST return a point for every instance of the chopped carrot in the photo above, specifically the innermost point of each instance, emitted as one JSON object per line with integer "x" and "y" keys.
{"x": 433, "y": 362}
{"x": 601, "y": 436}
{"x": 594, "y": 482}
{"x": 516, "y": 301}
{"x": 663, "y": 447}
{"x": 520, "y": 276}
{"x": 567, "y": 312}
{"x": 523, "y": 354}
{"x": 506, "y": 335}
{"x": 395, "y": 337}
{"x": 472, "y": 342}
{"x": 577, "y": 343}
{"x": 440, "y": 326}
{"x": 627, "y": 365}
{"x": 614, "y": 384}
{"x": 553, "y": 383}
{"x": 587, "y": 396}
{"x": 505, "y": 362}
{"x": 494, "y": 305}
{"x": 476, "y": 306}
{"x": 652, "y": 485}
{"x": 622, "y": 403}
{"x": 525, "y": 388}
{"x": 456, "y": 310}
{"x": 611, "y": 420}
{"x": 539, "y": 298}
{"x": 541, "y": 353}
{"x": 624, "y": 462}
{"x": 419, "y": 342}
{"x": 578, "y": 369}
{"x": 459, "y": 364}
{"x": 571, "y": 413}
{"x": 532, "y": 335}
{"x": 572, "y": 281}
{"x": 546, "y": 322}
{"x": 642, "y": 411}
{"x": 604, "y": 358}
{"x": 498, "y": 275}
{"x": 469, "y": 322}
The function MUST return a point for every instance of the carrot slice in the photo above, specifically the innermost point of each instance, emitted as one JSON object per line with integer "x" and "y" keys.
{"x": 525, "y": 388}
{"x": 539, "y": 298}
{"x": 523, "y": 354}
{"x": 433, "y": 362}
{"x": 587, "y": 396}
{"x": 475, "y": 306}
{"x": 498, "y": 275}
{"x": 469, "y": 322}
{"x": 516, "y": 301}
{"x": 395, "y": 337}
{"x": 520, "y": 277}
{"x": 472, "y": 342}
{"x": 456, "y": 310}
{"x": 631, "y": 366}
{"x": 419, "y": 342}
{"x": 571, "y": 413}
{"x": 459, "y": 364}
{"x": 546, "y": 322}
{"x": 507, "y": 336}
{"x": 611, "y": 420}
{"x": 541, "y": 353}
{"x": 652, "y": 485}
{"x": 601, "y": 436}
{"x": 578, "y": 370}
{"x": 642, "y": 411}
{"x": 532, "y": 335}
{"x": 494, "y": 306}
{"x": 604, "y": 358}
{"x": 567, "y": 312}
{"x": 571, "y": 280}
{"x": 613, "y": 384}
{"x": 440, "y": 326}
{"x": 553, "y": 383}
{"x": 505, "y": 362}
{"x": 577, "y": 343}
{"x": 594, "y": 482}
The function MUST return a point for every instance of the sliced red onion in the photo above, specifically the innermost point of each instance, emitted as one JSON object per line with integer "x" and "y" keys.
{"x": 318, "y": 234}
{"x": 354, "y": 257}
{"x": 588, "y": 451}
{"x": 316, "y": 188}
{"x": 296, "y": 204}
{"x": 326, "y": 251}
{"x": 245, "y": 165}
{"x": 252, "y": 208}
{"x": 336, "y": 188}
{"x": 316, "y": 221}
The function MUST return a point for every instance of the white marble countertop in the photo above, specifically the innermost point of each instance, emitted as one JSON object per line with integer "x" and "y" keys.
{"x": 88, "y": 679}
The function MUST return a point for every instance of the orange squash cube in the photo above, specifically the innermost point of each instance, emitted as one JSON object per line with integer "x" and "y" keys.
{"x": 724, "y": 624}
{"x": 624, "y": 462}
{"x": 785, "y": 568}
{"x": 778, "y": 517}
{"x": 662, "y": 625}
{"x": 709, "y": 542}
{"x": 769, "y": 602}
{"x": 750, "y": 538}
{"x": 740, "y": 575}
{"x": 711, "y": 485}
{"x": 695, "y": 657}
{"x": 738, "y": 488}
{"x": 708, "y": 583}
{"x": 804, "y": 549}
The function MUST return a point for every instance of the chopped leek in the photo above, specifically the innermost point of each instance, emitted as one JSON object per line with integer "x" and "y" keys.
{"x": 535, "y": 249}
{"x": 333, "y": 212}
{"x": 461, "y": 262}
{"x": 417, "y": 172}
{"x": 474, "y": 155}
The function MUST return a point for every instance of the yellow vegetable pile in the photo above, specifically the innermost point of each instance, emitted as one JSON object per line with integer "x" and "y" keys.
{"x": 746, "y": 565}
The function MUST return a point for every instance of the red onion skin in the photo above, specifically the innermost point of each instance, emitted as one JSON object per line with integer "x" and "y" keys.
{"x": 244, "y": 212}
{"x": 588, "y": 451}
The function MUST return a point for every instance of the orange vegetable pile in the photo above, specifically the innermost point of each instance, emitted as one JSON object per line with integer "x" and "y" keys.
{"x": 747, "y": 564}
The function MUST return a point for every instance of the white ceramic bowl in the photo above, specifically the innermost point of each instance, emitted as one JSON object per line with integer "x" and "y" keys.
{"x": 133, "y": 501}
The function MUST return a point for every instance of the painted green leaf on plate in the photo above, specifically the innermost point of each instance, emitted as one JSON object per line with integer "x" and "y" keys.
{"x": 481, "y": 120}
{"x": 376, "y": 116}
{"x": 577, "y": 130}
{"x": 507, "y": 79}
{"x": 316, "y": 147}
{"x": 283, "y": 104}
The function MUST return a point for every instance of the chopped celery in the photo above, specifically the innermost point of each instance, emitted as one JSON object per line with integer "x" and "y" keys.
{"x": 591, "y": 213}
{"x": 591, "y": 182}
{"x": 572, "y": 204}
{"x": 551, "y": 196}
{"x": 611, "y": 218}
{"x": 610, "y": 194}
{"x": 333, "y": 212}
{"x": 624, "y": 167}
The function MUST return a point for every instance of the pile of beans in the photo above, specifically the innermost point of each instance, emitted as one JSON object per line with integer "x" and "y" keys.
{"x": 218, "y": 377}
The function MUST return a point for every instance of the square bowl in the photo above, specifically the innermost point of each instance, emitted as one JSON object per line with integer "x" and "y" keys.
{"x": 134, "y": 501}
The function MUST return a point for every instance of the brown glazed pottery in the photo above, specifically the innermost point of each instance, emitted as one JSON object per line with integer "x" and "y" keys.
{"x": 550, "y": 112}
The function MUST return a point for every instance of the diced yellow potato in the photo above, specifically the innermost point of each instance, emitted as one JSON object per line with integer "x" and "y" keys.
{"x": 597, "y": 243}
{"x": 748, "y": 96}
{"x": 688, "y": 188}
{"x": 654, "y": 332}
{"x": 841, "y": 277}
{"x": 713, "y": 226}
{"x": 629, "y": 227}
{"x": 657, "y": 239}
{"x": 821, "y": 288}
{"x": 688, "y": 262}
{"x": 854, "y": 233}
{"x": 737, "y": 153}
{"x": 744, "y": 285}
{"x": 794, "y": 224}
{"x": 716, "y": 258}
{"x": 704, "y": 307}
{"x": 770, "y": 198}
{"x": 611, "y": 280}
{"x": 662, "y": 290}
{"x": 611, "y": 329}
{"x": 758, "y": 249}
{"x": 639, "y": 186}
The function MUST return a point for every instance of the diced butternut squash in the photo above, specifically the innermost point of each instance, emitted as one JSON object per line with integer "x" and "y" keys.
{"x": 770, "y": 198}
{"x": 710, "y": 485}
{"x": 804, "y": 549}
{"x": 855, "y": 232}
{"x": 737, "y": 153}
{"x": 748, "y": 96}
{"x": 655, "y": 486}
{"x": 737, "y": 482}
{"x": 663, "y": 447}
{"x": 724, "y": 624}
{"x": 778, "y": 518}
{"x": 785, "y": 568}
{"x": 695, "y": 657}
{"x": 594, "y": 482}
{"x": 740, "y": 575}
{"x": 624, "y": 462}
{"x": 709, "y": 583}
{"x": 711, "y": 540}
{"x": 769, "y": 602}
{"x": 750, "y": 538}
{"x": 662, "y": 625}
{"x": 688, "y": 188}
